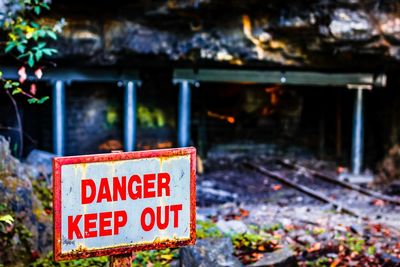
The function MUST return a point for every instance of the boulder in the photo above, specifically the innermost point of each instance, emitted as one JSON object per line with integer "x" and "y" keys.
{"x": 283, "y": 257}
{"x": 31, "y": 232}
{"x": 232, "y": 227}
{"x": 209, "y": 196}
{"x": 209, "y": 252}
{"x": 42, "y": 160}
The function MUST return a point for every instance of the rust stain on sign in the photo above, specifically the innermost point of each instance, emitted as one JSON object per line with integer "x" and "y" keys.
{"x": 109, "y": 204}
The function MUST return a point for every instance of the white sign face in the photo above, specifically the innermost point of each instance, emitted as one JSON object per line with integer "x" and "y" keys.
{"x": 114, "y": 203}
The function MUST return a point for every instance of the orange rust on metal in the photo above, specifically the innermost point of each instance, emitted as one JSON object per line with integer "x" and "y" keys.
{"x": 83, "y": 253}
{"x": 123, "y": 250}
{"x": 123, "y": 260}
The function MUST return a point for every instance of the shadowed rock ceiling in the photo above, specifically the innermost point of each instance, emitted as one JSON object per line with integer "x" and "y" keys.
{"x": 305, "y": 34}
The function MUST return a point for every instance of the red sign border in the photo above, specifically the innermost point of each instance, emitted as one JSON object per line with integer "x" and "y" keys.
{"x": 79, "y": 254}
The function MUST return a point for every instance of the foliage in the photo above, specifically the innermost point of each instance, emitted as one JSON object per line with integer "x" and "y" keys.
{"x": 15, "y": 238}
{"x": 155, "y": 258}
{"x": 249, "y": 247}
{"x": 320, "y": 262}
{"x": 152, "y": 258}
{"x": 27, "y": 41}
{"x": 44, "y": 192}
{"x": 6, "y": 219}
{"x": 273, "y": 227}
{"x": 205, "y": 229}
{"x": 89, "y": 262}
{"x": 354, "y": 243}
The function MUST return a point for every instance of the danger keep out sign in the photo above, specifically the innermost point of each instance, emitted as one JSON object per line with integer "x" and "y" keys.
{"x": 116, "y": 203}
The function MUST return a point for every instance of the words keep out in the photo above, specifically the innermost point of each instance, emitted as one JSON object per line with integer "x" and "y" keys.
{"x": 135, "y": 187}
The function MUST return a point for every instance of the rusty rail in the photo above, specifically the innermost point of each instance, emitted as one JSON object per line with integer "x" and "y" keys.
{"x": 344, "y": 184}
{"x": 304, "y": 189}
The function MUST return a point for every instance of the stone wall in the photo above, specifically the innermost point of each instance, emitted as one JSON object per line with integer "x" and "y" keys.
{"x": 94, "y": 118}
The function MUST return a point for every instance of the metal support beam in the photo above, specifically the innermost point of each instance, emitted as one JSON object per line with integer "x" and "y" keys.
{"x": 184, "y": 114}
{"x": 130, "y": 116}
{"x": 358, "y": 133}
{"x": 58, "y": 117}
{"x": 338, "y": 126}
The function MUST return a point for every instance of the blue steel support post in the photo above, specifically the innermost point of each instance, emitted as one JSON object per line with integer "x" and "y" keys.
{"x": 358, "y": 133}
{"x": 130, "y": 116}
{"x": 58, "y": 117}
{"x": 184, "y": 114}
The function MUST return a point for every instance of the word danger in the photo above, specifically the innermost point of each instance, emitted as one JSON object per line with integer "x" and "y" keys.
{"x": 122, "y": 189}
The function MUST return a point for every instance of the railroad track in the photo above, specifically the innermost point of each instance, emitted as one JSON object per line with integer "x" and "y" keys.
{"x": 297, "y": 177}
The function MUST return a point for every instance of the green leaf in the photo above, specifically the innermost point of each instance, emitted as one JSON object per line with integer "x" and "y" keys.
{"x": 43, "y": 99}
{"x": 46, "y": 51}
{"x": 371, "y": 250}
{"x": 33, "y": 100}
{"x": 7, "y": 219}
{"x": 1, "y": 74}
{"x": 23, "y": 55}
{"x": 7, "y": 85}
{"x": 49, "y": 51}
{"x": 31, "y": 60}
{"x": 45, "y": 5}
{"x": 38, "y": 55}
{"x": 15, "y": 83}
{"x": 52, "y": 35}
{"x": 41, "y": 45}
{"x": 34, "y": 25}
{"x": 21, "y": 48}
{"x": 35, "y": 35}
{"x": 16, "y": 91}
{"x": 42, "y": 33}
{"x": 37, "y": 10}
{"x": 9, "y": 47}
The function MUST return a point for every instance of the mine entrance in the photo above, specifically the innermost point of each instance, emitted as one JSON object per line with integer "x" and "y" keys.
{"x": 296, "y": 119}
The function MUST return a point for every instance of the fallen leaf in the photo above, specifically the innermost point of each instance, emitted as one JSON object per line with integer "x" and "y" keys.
{"x": 335, "y": 262}
{"x": 378, "y": 202}
{"x": 277, "y": 187}
{"x": 244, "y": 213}
{"x": 315, "y": 247}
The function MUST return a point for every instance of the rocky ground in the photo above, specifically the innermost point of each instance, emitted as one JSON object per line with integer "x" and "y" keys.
{"x": 284, "y": 227}
{"x": 244, "y": 218}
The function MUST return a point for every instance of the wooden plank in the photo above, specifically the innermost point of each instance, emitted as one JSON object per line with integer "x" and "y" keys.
{"x": 276, "y": 77}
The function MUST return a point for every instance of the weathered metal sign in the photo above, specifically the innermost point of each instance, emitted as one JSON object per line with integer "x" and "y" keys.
{"x": 110, "y": 204}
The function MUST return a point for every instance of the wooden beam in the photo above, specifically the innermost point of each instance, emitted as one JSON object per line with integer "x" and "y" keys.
{"x": 210, "y": 75}
{"x": 276, "y": 77}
